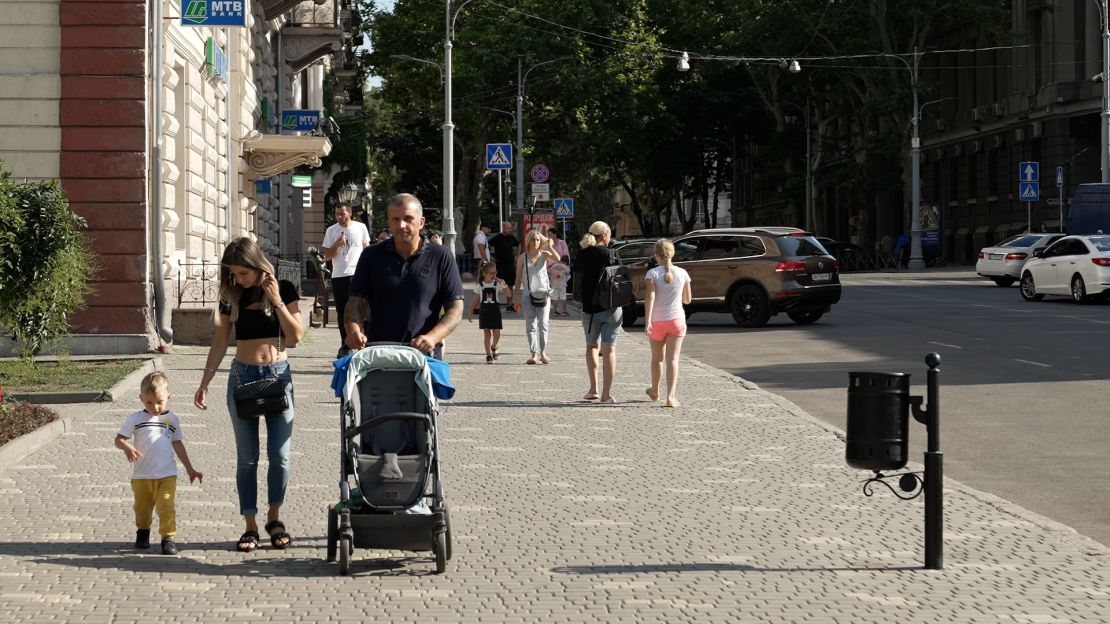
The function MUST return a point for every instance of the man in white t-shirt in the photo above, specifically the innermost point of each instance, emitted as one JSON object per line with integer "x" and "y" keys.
{"x": 481, "y": 247}
{"x": 343, "y": 244}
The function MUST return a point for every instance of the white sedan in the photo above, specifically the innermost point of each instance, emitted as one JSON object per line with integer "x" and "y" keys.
{"x": 1075, "y": 266}
{"x": 1003, "y": 262}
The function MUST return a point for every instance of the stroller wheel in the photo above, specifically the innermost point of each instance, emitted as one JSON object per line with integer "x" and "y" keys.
{"x": 345, "y": 549}
{"x": 333, "y": 534}
{"x": 441, "y": 552}
{"x": 447, "y": 525}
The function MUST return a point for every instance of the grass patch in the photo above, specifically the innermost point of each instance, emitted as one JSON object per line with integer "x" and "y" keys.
{"x": 64, "y": 375}
{"x": 18, "y": 419}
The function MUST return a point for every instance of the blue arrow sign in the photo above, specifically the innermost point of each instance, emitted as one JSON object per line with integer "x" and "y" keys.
{"x": 499, "y": 156}
{"x": 564, "y": 208}
{"x": 1029, "y": 191}
{"x": 1029, "y": 171}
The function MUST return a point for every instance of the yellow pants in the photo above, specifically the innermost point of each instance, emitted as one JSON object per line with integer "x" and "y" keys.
{"x": 155, "y": 494}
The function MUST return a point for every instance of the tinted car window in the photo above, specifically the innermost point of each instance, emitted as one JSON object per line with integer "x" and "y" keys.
{"x": 1021, "y": 241}
{"x": 1077, "y": 248}
{"x": 751, "y": 246}
{"x": 1058, "y": 248}
{"x": 684, "y": 251}
{"x": 800, "y": 246}
{"x": 713, "y": 247}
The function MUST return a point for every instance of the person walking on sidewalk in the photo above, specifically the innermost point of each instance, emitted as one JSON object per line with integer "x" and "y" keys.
{"x": 267, "y": 319}
{"x": 600, "y": 326}
{"x": 533, "y": 293}
{"x": 481, "y": 245}
{"x": 667, "y": 289}
{"x": 149, "y": 439}
{"x": 402, "y": 284}
{"x": 488, "y": 290}
{"x": 343, "y": 244}
{"x": 504, "y": 245}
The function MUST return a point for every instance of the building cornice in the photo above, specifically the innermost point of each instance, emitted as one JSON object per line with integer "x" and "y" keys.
{"x": 271, "y": 154}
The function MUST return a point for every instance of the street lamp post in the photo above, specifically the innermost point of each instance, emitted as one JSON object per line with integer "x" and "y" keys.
{"x": 1104, "y": 16}
{"x": 520, "y": 78}
{"x": 917, "y": 261}
{"x": 807, "y": 222}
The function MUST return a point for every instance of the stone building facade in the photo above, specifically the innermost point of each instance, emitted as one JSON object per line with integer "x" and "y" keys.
{"x": 158, "y": 132}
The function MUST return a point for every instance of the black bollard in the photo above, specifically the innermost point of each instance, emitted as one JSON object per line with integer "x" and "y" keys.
{"x": 934, "y": 472}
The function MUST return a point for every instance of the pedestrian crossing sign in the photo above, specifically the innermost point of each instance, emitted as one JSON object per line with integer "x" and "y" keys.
{"x": 1029, "y": 191}
{"x": 499, "y": 156}
{"x": 564, "y": 208}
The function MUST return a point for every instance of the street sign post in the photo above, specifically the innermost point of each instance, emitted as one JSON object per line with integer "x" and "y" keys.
{"x": 540, "y": 173}
{"x": 1060, "y": 191}
{"x": 1029, "y": 188}
{"x": 499, "y": 156}
{"x": 564, "y": 208}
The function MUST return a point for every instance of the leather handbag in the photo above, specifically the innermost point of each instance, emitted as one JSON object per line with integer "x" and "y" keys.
{"x": 261, "y": 397}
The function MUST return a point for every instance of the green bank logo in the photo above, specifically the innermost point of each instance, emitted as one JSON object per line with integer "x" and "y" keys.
{"x": 196, "y": 11}
{"x": 289, "y": 121}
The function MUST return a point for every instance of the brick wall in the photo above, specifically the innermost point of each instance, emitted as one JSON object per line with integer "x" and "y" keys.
{"x": 103, "y": 161}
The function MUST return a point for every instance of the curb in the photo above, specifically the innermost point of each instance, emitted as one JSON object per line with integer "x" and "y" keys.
{"x": 13, "y": 452}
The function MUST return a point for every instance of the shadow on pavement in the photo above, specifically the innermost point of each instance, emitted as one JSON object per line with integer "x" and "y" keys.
{"x": 654, "y": 568}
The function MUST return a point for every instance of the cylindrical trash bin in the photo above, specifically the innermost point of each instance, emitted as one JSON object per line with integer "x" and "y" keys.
{"x": 878, "y": 421}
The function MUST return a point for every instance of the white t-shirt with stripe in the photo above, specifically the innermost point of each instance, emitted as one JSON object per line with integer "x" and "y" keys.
{"x": 153, "y": 436}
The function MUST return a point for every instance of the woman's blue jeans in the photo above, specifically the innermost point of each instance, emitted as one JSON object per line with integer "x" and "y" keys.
{"x": 279, "y": 435}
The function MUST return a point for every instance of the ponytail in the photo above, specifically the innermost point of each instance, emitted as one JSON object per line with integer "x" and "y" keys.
{"x": 664, "y": 251}
{"x": 596, "y": 231}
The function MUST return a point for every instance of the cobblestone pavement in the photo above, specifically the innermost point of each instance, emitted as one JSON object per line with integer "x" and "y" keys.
{"x": 736, "y": 507}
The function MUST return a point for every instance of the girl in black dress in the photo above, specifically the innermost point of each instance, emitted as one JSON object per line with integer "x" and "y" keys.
{"x": 490, "y": 294}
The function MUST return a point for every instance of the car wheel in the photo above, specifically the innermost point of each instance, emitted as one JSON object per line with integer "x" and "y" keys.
{"x": 806, "y": 318}
{"x": 1029, "y": 289}
{"x": 1079, "y": 290}
{"x": 749, "y": 307}
{"x": 629, "y": 316}
{"x": 1004, "y": 282}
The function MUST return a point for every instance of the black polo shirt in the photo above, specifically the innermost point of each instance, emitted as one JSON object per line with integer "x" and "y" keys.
{"x": 405, "y": 296}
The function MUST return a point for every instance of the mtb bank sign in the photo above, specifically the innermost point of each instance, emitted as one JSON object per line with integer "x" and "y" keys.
{"x": 213, "y": 12}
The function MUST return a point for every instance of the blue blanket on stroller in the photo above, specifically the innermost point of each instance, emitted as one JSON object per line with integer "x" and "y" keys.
{"x": 440, "y": 371}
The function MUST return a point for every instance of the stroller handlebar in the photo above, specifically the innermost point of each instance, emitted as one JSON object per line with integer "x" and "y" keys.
{"x": 374, "y": 422}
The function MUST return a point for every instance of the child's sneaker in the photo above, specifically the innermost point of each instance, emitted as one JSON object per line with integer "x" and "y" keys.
{"x": 142, "y": 538}
{"x": 489, "y": 359}
{"x": 168, "y": 546}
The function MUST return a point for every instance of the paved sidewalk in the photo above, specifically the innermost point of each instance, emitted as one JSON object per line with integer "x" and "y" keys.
{"x": 736, "y": 507}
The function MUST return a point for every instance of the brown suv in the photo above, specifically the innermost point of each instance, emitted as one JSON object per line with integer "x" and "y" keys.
{"x": 752, "y": 273}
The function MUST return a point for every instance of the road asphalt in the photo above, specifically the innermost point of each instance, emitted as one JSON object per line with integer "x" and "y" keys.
{"x": 735, "y": 507}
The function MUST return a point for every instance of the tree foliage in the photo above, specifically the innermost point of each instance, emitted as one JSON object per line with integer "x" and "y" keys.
{"x": 617, "y": 113}
{"x": 46, "y": 263}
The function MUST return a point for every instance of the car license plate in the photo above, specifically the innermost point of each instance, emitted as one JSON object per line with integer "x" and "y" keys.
{"x": 821, "y": 277}
{"x": 995, "y": 256}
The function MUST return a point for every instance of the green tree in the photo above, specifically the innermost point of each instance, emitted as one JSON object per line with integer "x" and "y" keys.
{"x": 47, "y": 264}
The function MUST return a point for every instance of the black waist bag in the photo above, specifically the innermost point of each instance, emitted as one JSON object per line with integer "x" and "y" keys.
{"x": 257, "y": 398}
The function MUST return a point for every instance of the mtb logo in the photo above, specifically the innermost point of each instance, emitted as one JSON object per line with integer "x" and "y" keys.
{"x": 196, "y": 11}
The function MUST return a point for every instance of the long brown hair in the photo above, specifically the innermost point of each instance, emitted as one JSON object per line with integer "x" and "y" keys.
{"x": 242, "y": 252}
{"x": 664, "y": 250}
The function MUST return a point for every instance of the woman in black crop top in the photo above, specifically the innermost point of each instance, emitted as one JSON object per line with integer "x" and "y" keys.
{"x": 266, "y": 316}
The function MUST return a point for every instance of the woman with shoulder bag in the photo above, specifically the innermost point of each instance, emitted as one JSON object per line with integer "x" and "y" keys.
{"x": 531, "y": 275}
{"x": 267, "y": 319}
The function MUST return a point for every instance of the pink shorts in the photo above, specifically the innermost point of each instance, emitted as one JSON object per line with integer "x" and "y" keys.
{"x": 673, "y": 327}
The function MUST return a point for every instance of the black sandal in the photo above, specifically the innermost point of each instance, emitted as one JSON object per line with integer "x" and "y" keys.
{"x": 276, "y": 529}
{"x": 248, "y": 542}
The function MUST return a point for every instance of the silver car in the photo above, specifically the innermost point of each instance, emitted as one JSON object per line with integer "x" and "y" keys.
{"x": 1003, "y": 262}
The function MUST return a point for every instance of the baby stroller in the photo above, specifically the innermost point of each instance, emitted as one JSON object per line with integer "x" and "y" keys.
{"x": 389, "y": 450}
